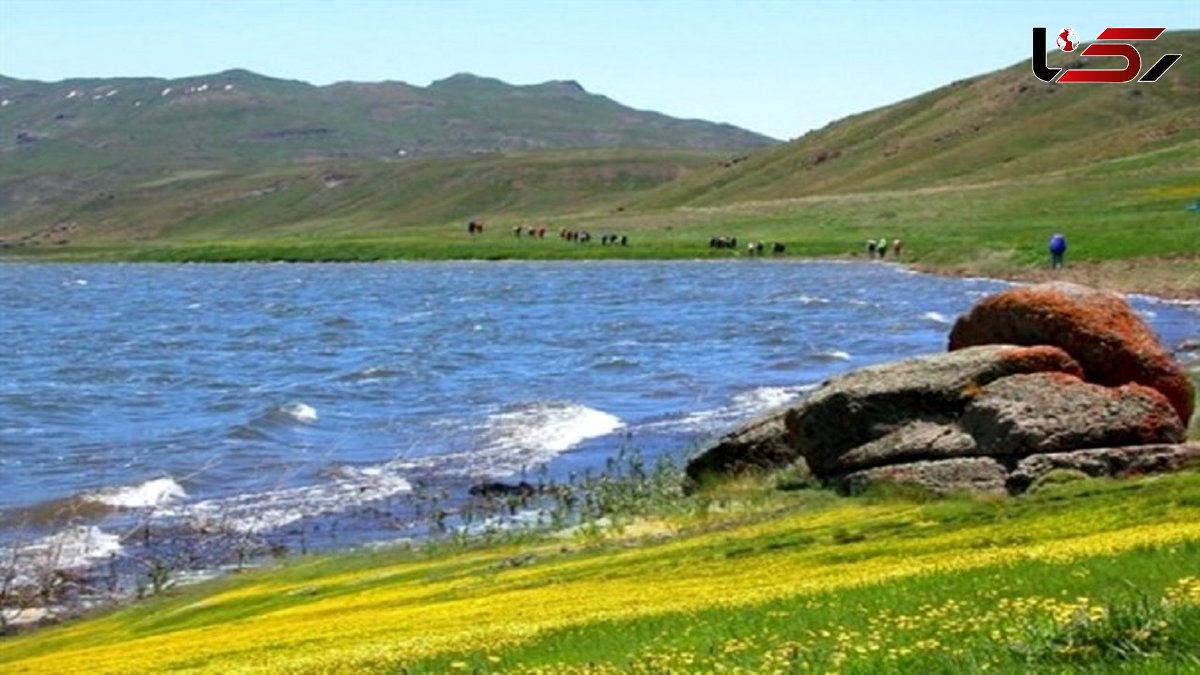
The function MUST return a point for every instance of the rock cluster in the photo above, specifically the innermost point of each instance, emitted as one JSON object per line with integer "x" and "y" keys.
{"x": 1038, "y": 378}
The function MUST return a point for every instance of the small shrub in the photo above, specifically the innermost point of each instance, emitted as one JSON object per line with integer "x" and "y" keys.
{"x": 889, "y": 491}
{"x": 795, "y": 477}
{"x": 844, "y": 536}
{"x": 1056, "y": 477}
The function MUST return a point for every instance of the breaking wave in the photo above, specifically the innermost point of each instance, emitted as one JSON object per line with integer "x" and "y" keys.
{"x": 152, "y": 493}
{"x": 272, "y": 509}
{"x": 830, "y": 355}
{"x": 936, "y": 317}
{"x": 519, "y": 437}
{"x": 742, "y": 407}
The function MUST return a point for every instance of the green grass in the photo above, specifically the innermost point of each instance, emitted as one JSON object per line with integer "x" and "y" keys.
{"x": 1001, "y": 225}
{"x": 1085, "y": 576}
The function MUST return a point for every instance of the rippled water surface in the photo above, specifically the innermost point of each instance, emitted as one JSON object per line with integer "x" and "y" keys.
{"x": 270, "y": 392}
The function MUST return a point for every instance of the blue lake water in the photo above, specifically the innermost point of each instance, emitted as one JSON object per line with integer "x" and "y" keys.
{"x": 262, "y": 394}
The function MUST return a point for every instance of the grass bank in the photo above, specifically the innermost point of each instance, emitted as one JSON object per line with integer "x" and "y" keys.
{"x": 1086, "y": 575}
{"x": 1127, "y": 223}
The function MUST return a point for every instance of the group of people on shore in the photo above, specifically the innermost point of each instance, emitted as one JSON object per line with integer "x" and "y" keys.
{"x": 879, "y": 247}
{"x": 874, "y": 247}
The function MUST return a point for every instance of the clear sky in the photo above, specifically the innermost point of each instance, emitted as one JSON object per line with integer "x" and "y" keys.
{"x": 779, "y": 68}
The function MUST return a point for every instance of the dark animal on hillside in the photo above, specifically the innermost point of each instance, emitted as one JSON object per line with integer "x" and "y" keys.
{"x": 777, "y": 248}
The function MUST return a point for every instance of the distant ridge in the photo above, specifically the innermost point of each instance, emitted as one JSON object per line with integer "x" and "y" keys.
{"x": 78, "y": 137}
{"x": 207, "y": 120}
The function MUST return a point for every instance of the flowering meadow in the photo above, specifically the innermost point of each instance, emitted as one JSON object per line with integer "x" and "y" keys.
{"x": 1087, "y": 575}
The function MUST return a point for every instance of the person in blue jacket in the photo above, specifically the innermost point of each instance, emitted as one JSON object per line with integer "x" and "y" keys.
{"x": 1058, "y": 249}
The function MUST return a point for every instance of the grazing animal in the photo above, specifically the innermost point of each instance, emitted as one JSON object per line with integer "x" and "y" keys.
{"x": 777, "y": 248}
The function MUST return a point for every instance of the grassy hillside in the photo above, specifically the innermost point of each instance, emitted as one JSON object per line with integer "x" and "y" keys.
{"x": 341, "y": 199}
{"x": 1126, "y": 221}
{"x": 999, "y": 126}
{"x": 1082, "y": 576}
{"x": 76, "y": 138}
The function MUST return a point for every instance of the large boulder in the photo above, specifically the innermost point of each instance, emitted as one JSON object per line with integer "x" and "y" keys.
{"x": 985, "y": 474}
{"x": 1054, "y": 412}
{"x": 1107, "y": 462}
{"x": 869, "y": 404}
{"x": 755, "y": 446}
{"x": 974, "y": 474}
{"x": 1098, "y": 329}
{"x": 1006, "y": 419}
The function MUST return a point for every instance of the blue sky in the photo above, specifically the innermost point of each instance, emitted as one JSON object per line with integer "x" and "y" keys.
{"x": 779, "y": 68}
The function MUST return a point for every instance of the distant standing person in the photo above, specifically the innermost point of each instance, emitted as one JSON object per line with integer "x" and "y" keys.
{"x": 1058, "y": 249}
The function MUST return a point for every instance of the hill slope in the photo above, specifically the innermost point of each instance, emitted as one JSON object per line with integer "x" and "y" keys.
{"x": 349, "y": 198}
{"x": 76, "y": 138}
{"x": 996, "y": 126}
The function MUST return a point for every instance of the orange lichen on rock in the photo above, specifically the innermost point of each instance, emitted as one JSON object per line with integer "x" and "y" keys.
{"x": 1043, "y": 358}
{"x": 1098, "y": 329}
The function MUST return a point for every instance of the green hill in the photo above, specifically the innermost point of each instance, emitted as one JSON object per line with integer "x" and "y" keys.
{"x": 998, "y": 126}
{"x": 352, "y": 198}
{"x": 72, "y": 141}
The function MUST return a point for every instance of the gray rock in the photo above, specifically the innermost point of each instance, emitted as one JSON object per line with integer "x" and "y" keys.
{"x": 1107, "y": 462}
{"x": 854, "y": 409}
{"x": 915, "y": 441}
{"x": 755, "y": 446}
{"x": 1052, "y": 412}
{"x": 975, "y": 474}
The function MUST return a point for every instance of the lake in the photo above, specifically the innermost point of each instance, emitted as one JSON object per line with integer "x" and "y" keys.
{"x": 260, "y": 396}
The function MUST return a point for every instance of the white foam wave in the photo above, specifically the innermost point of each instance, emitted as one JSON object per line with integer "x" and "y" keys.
{"x": 72, "y": 548}
{"x": 743, "y": 406}
{"x": 521, "y": 437}
{"x": 272, "y": 509}
{"x": 152, "y": 493}
{"x": 549, "y": 427}
{"x": 763, "y": 399}
{"x": 812, "y": 300}
{"x": 300, "y": 412}
{"x": 831, "y": 355}
{"x": 1155, "y": 300}
{"x": 936, "y": 317}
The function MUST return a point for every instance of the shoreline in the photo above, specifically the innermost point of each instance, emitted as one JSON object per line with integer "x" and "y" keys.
{"x": 1172, "y": 278}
